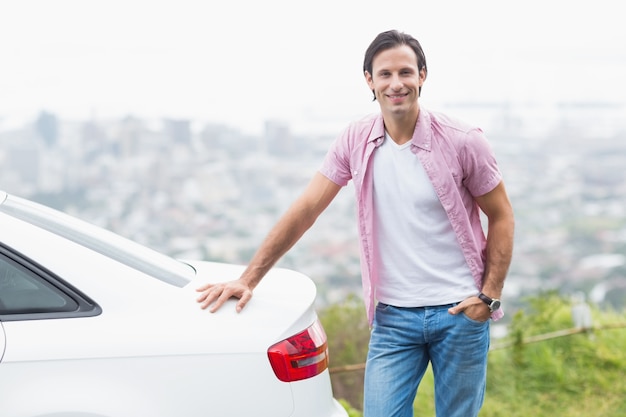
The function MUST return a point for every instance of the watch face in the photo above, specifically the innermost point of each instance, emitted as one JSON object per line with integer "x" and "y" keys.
{"x": 495, "y": 305}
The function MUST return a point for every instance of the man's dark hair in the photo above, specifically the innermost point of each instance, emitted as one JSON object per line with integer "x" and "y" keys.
{"x": 391, "y": 39}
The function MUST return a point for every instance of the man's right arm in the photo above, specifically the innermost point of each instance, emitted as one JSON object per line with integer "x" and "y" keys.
{"x": 290, "y": 228}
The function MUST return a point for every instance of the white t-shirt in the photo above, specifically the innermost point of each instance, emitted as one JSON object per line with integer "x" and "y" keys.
{"x": 421, "y": 263}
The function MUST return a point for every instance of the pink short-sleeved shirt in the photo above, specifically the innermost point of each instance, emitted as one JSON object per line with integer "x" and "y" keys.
{"x": 459, "y": 163}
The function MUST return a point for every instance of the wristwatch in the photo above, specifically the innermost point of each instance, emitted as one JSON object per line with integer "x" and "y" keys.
{"x": 493, "y": 303}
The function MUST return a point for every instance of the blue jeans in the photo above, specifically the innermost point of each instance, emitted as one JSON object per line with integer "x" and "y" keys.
{"x": 405, "y": 340}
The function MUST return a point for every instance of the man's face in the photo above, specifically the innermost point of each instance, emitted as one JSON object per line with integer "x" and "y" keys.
{"x": 396, "y": 80}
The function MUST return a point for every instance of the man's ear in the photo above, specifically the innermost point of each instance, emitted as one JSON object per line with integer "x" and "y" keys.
{"x": 369, "y": 80}
{"x": 423, "y": 75}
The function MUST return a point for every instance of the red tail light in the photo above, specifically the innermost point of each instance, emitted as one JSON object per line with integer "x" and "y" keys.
{"x": 301, "y": 356}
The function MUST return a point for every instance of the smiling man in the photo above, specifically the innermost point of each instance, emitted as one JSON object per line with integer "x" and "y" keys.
{"x": 431, "y": 278}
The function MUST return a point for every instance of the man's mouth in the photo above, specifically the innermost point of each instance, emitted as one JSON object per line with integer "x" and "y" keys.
{"x": 396, "y": 97}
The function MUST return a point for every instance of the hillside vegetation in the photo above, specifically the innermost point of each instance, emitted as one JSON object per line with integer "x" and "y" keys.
{"x": 543, "y": 368}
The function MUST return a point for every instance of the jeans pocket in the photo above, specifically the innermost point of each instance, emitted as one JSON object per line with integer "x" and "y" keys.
{"x": 383, "y": 307}
{"x": 471, "y": 320}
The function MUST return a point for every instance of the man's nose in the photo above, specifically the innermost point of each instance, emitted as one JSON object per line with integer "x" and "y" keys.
{"x": 396, "y": 83}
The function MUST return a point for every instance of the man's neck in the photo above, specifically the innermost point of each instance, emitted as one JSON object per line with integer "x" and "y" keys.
{"x": 401, "y": 128}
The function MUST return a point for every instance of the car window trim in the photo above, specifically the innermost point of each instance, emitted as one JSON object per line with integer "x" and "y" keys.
{"x": 86, "y": 306}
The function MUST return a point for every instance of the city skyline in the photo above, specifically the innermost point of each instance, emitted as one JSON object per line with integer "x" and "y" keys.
{"x": 214, "y": 194}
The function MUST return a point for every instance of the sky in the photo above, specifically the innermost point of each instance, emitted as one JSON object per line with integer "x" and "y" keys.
{"x": 241, "y": 63}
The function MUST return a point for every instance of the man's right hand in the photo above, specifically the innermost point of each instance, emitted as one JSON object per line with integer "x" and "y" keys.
{"x": 219, "y": 293}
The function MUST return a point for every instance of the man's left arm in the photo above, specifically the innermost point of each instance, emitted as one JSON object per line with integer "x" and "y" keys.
{"x": 500, "y": 229}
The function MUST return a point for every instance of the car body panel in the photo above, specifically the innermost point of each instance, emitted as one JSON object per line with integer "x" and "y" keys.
{"x": 149, "y": 349}
{"x": 134, "y": 386}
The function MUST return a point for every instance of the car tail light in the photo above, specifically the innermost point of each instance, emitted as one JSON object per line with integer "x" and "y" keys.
{"x": 301, "y": 356}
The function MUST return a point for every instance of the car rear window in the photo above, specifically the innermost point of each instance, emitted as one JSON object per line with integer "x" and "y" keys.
{"x": 30, "y": 292}
{"x": 22, "y": 293}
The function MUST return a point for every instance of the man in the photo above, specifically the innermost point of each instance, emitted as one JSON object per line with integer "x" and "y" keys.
{"x": 431, "y": 279}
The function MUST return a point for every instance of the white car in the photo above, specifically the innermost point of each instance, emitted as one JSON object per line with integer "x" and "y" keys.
{"x": 94, "y": 325}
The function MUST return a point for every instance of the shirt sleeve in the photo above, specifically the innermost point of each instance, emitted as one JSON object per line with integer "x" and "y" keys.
{"x": 336, "y": 163}
{"x": 481, "y": 170}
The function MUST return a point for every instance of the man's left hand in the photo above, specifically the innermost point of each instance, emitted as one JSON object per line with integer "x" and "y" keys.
{"x": 473, "y": 307}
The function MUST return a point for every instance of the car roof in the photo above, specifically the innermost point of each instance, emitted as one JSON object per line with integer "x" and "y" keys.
{"x": 98, "y": 239}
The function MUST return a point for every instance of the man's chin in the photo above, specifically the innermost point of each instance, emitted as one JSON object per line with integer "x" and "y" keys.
{"x": 399, "y": 110}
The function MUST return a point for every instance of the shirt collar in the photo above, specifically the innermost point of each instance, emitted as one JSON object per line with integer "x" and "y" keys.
{"x": 377, "y": 134}
{"x": 422, "y": 135}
